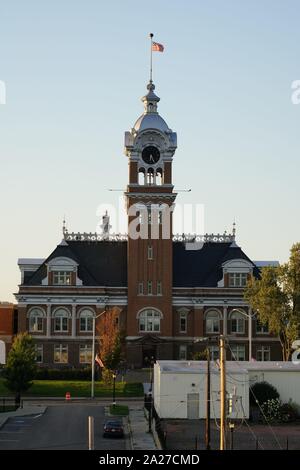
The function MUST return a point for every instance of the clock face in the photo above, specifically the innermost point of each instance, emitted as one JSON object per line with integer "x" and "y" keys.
{"x": 150, "y": 155}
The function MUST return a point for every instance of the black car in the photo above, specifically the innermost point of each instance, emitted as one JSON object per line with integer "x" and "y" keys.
{"x": 113, "y": 428}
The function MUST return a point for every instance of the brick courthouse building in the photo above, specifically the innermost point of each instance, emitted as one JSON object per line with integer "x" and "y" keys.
{"x": 169, "y": 290}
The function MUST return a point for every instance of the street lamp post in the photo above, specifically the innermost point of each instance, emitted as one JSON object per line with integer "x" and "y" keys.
{"x": 250, "y": 316}
{"x": 93, "y": 353}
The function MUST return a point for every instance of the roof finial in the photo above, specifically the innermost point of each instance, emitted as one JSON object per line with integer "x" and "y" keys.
{"x": 151, "y": 44}
{"x": 64, "y": 229}
{"x": 234, "y": 229}
{"x": 105, "y": 225}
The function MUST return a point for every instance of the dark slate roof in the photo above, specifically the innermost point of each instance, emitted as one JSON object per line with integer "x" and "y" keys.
{"x": 105, "y": 263}
{"x": 100, "y": 264}
{"x": 202, "y": 268}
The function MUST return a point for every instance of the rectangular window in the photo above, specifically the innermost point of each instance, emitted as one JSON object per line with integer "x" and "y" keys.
{"x": 260, "y": 328}
{"x": 238, "y": 352}
{"x": 35, "y": 324}
{"x": 61, "y": 353}
{"x": 159, "y": 288}
{"x": 85, "y": 354}
{"x": 140, "y": 288}
{"x": 62, "y": 278}
{"x": 263, "y": 353}
{"x": 149, "y": 289}
{"x": 237, "y": 279}
{"x": 150, "y": 252}
{"x": 182, "y": 324}
{"x": 61, "y": 324}
{"x": 39, "y": 353}
{"x": 214, "y": 353}
{"x": 238, "y": 325}
{"x": 182, "y": 352}
{"x": 86, "y": 324}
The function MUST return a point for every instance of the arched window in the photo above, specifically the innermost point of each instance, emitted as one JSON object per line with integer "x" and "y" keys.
{"x": 149, "y": 320}
{"x": 212, "y": 322}
{"x": 150, "y": 176}
{"x": 159, "y": 176}
{"x": 86, "y": 320}
{"x": 61, "y": 318}
{"x": 141, "y": 176}
{"x": 36, "y": 317}
{"x": 237, "y": 322}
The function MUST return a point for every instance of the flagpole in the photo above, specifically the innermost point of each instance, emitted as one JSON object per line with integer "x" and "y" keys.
{"x": 151, "y": 41}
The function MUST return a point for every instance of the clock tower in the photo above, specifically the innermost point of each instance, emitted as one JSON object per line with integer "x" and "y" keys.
{"x": 150, "y": 146}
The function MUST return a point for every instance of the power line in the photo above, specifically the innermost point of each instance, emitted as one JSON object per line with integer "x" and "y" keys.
{"x": 261, "y": 410}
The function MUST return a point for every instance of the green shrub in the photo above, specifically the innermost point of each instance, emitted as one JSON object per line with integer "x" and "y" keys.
{"x": 289, "y": 412}
{"x": 261, "y": 392}
{"x": 63, "y": 374}
{"x": 272, "y": 410}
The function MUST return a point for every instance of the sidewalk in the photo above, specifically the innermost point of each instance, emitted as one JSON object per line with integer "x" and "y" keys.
{"x": 25, "y": 411}
{"x": 140, "y": 437}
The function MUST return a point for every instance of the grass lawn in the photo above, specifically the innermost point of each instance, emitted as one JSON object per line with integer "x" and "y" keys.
{"x": 119, "y": 410}
{"x": 77, "y": 388}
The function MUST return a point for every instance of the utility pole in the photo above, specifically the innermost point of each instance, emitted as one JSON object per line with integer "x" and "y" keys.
{"x": 223, "y": 393}
{"x": 207, "y": 423}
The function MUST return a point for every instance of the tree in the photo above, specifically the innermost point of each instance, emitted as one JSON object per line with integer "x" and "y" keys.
{"x": 275, "y": 297}
{"x": 110, "y": 341}
{"x": 21, "y": 365}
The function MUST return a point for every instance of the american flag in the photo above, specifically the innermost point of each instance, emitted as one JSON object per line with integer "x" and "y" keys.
{"x": 157, "y": 47}
{"x": 98, "y": 360}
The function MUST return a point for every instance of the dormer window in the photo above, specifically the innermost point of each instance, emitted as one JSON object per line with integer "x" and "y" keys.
{"x": 237, "y": 279}
{"x": 62, "y": 271}
{"x": 62, "y": 278}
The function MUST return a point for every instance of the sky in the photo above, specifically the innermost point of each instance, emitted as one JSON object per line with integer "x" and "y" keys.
{"x": 74, "y": 73}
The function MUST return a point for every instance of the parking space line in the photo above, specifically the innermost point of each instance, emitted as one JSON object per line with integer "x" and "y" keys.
{"x": 8, "y": 440}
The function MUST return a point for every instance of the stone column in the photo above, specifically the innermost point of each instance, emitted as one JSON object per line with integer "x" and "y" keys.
{"x": 225, "y": 308}
{"x": 73, "y": 321}
{"x": 48, "y": 327}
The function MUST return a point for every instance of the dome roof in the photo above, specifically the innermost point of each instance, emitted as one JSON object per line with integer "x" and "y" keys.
{"x": 151, "y": 121}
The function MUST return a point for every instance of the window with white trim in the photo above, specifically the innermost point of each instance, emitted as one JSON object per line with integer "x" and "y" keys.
{"x": 237, "y": 320}
{"x": 85, "y": 354}
{"x": 214, "y": 353}
{"x": 212, "y": 322}
{"x": 149, "y": 288}
{"x": 150, "y": 252}
{"x": 38, "y": 353}
{"x": 260, "y": 328}
{"x": 263, "y": 353}
{"x": 62, "y": 278}
{"x": 36, "y": 323}
{"x": 183, "y": 322}
{"x": 238, "y": 352}
{"x": 238, "y": 279}
{"x": 159, "y": 288}
{"x": 182, "y": 352}
{"x": 149, "y": 321}
{"x": 61, "y": 354}
{"x": 140, "y": 288}
{"x": 86, "y": 321}
{"x": 61, "y": 320}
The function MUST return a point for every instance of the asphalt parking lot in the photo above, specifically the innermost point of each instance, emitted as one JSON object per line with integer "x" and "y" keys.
{"x": 60, "y": 427}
